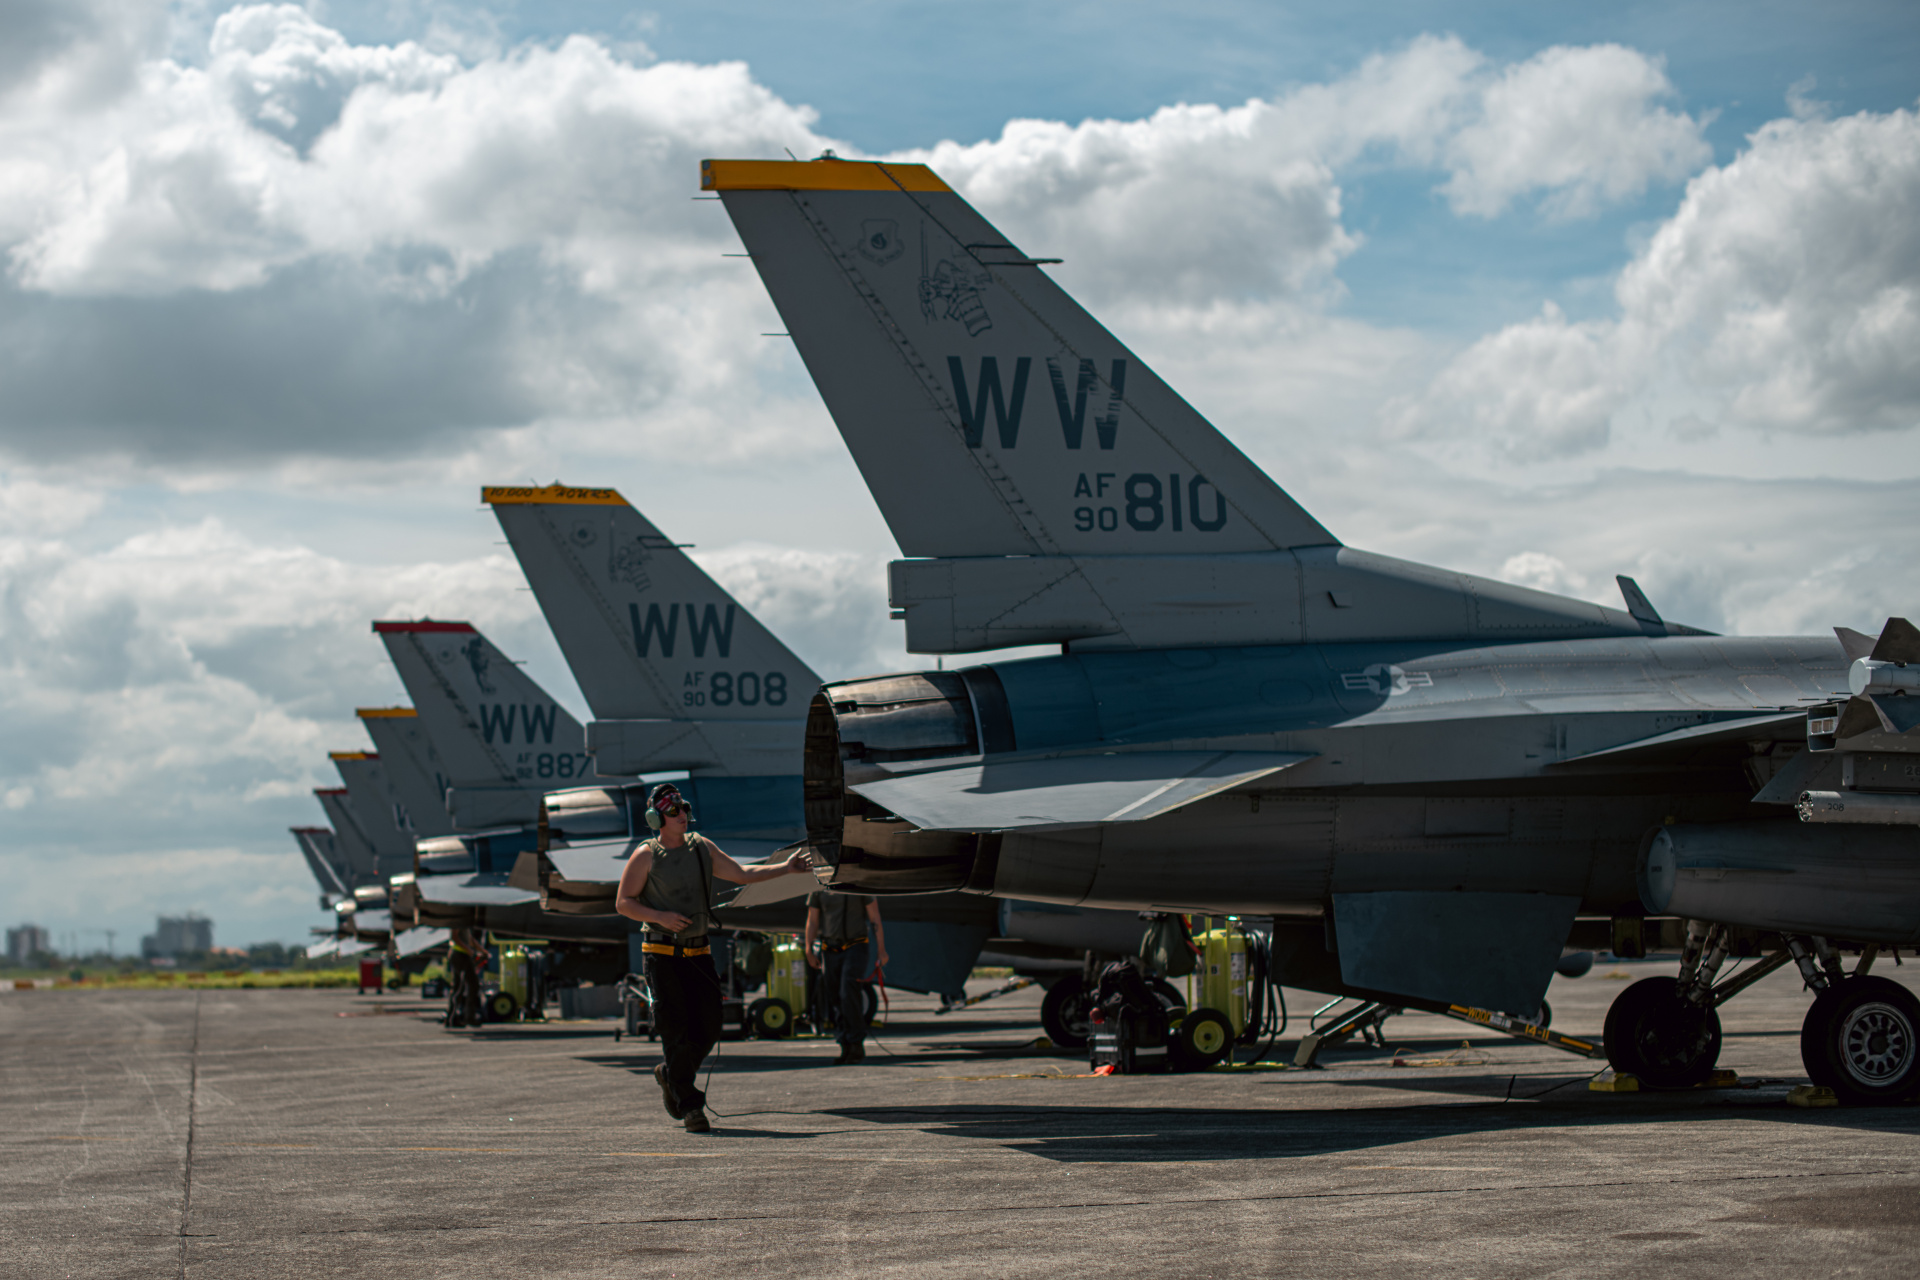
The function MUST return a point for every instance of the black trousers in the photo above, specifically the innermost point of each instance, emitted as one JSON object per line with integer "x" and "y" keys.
{"x": 843, "y": 971}
{"x": 686, "y": 1013}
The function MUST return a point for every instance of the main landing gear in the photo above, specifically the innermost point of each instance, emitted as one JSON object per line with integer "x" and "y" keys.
{"x": 1860, "y": 1039}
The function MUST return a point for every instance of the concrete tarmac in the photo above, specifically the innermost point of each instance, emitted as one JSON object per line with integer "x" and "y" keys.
{"x": 252, "y": 1134}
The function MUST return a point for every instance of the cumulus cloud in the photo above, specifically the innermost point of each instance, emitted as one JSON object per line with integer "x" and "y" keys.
{"x": 194, "y": 671}
{"x": 1539, "y": 389}
{"x": 291, "y": 244}
{"x": 1582, "y": 126}
{"x": 1784, "y": 294}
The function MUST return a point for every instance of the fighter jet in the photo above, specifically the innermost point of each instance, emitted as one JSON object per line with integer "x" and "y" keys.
{"x": 1423, "y": 776}
{"x": 502, "y": 751}
{"x": 682, "y": 677}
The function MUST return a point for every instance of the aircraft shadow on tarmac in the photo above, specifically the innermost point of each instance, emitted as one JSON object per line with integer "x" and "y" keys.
{"x": 1155, "y": 1135}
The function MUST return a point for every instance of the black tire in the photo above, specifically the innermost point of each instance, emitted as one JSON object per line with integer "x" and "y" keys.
{"x": 1203, "y": 1039}
{"x": 870, "y": 1001}
{"x": 1861, "y": 1039}
{"x": 502, "y": 1006}
{"x": 1544, "y": 1018}
{"x": 1170, "y": 996}
{"x": 1654, "y": 1035}
{"x": 1064, "y": 1013}
{"x": 769, "y": 1018}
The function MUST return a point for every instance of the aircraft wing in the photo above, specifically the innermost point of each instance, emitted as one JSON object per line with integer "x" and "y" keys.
{"x": 999, "y": 794}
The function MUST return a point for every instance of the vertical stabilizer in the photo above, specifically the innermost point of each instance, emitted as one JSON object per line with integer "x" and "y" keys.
{"x": 503, "y": 739}
{"x": 679, "y": 674}
{"x": 415, "y": 775}
{"x": 318, "y": 847}
{"x": 365, "y": 778}
{"x": 990, "y": 414}
{"x": 353, "y": 849}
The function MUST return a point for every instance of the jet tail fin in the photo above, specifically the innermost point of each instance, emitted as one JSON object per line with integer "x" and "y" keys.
{"x": 351, "y": 847}
{"x": 679, "y": 674}
{"x": 989, "y": 412}
{"x": 504, "y": 740}
{"x": 414, "y": 773}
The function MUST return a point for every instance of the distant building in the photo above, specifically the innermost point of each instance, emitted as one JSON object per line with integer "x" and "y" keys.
{"x": 23, "y": 942}
{"x": 173, "y": 935}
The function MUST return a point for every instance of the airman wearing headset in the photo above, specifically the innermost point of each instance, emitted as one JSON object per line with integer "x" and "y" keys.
{"x": 668, "y": 885}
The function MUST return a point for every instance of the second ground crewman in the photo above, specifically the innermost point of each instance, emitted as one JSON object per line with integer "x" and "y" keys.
{"x": 852, "y": 941}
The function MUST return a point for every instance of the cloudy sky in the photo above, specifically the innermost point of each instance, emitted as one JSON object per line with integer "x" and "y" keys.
{"x": 1538, "y": 294}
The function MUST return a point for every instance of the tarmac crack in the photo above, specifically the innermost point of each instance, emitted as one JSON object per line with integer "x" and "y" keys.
{"x": 1075, "y": 1205}
{"x": 193, "y": 1099}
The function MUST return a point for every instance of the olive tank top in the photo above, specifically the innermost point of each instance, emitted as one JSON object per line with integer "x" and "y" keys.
{"x": 681, "y": 881}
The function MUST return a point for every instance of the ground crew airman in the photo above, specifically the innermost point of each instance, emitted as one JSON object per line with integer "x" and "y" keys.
{"x": 851, "y": 941}
{"x": 466, "y": 958}
{"x": 668, "y": 885}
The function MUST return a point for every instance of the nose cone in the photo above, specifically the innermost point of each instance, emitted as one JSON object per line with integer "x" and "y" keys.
{"x": 1860, "y": 676}
{"x": 1867, "y": 675}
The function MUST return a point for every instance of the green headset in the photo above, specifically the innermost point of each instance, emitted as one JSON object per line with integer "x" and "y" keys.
{"x": 660, "y": 795}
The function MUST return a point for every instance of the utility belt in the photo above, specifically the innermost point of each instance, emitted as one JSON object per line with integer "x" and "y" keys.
{"x": 693, "y": 947}
{"x": 843, "y": 944}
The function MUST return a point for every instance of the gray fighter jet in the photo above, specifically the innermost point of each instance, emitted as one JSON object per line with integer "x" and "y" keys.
{"x": 1423, "y": 776}
{"x": 682, "y": 677}
{"x": 495, "y": 744}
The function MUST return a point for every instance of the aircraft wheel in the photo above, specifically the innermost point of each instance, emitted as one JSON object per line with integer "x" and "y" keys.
{"x": 870, "y": 1001}
{"x": 1861, "y": 1039}
{"x": 1169, "y": 996}
{"x": 769, "y": 1018}
{"x": 502, "y": 1006}
{"x": 1653, "y": 1034}
{"x": 1544, "y": 1018}
{"x": 1203, "y": 1038}
{"x": 1064, "y": 1013}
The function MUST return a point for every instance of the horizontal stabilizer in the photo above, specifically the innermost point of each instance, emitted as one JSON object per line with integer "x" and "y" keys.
{"x": 1003, "y": 794}
{"x": 379, "y": 920}
{"x": 414, "y": 941}
{"x": 767, "y": 892}
{"x": 603, "y": 861}
{"x": 485, "y": 889}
